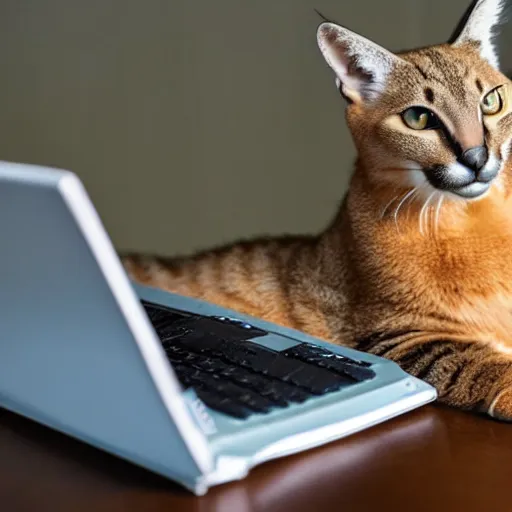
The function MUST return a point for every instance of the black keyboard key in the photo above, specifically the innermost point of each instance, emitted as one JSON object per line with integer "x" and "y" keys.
{"x": 167, "y": 321}
{"x": 276, "y": 365}
{"x": 243, "y": 377}
{"x": 222, "y": 404}
{"x": 202, "y": 343}
{"x": 211, "y": 365}
{"x": 221, "y": 330}
{"x": 246, "y": 397}
{"x": 315, "y": 352}
{"x": 252, "y": 400}
{"x": 318, "y": 381}
{"x": 237, "y": 394}
{"x": 282, "y": 393}
{"x": 250, "y": 330}
{"x": 358, "y": 370}
{"x": 164, "y": 318}
{"x": 279, "y": 393}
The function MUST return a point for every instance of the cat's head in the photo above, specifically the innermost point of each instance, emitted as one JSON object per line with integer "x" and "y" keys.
{"x": 436, "y": 119}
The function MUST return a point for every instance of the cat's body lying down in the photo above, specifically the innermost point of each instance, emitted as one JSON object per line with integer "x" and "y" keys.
{"x": 417, "y": 265}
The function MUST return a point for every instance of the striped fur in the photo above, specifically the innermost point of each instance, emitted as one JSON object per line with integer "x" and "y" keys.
{"x": 406, "y": 270}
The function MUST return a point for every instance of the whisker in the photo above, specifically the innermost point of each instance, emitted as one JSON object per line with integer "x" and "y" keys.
{"x": 411, "y": 200}
{"x": 423, "y": 210}
{"x": 388, "y": 205}
{"x": 400, "y": 204}
{"x": 438, "y": 210}
{"x": 431, "y": 214}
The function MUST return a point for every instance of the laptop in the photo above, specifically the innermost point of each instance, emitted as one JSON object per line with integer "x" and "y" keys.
{"x": 186, "y": 389}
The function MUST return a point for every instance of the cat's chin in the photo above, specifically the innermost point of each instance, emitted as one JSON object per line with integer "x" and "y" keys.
{"x": 471, "y": 191}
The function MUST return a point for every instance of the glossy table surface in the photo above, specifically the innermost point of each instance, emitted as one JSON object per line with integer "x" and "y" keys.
{"x": 432, "y": 459}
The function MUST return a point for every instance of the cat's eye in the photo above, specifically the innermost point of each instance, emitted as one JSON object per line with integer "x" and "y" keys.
{"x": 492, "y": 102}
{"x": 420, "y": 118}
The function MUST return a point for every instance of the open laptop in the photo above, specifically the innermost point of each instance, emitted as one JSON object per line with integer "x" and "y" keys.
{"x": 185, "y": 389}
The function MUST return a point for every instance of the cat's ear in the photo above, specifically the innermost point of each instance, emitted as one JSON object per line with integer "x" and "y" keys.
{"x": 478, "y": 26}
{"x": 361, "y": 66}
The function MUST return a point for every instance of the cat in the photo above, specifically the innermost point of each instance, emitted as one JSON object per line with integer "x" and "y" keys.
{"x": 416, "y": 266}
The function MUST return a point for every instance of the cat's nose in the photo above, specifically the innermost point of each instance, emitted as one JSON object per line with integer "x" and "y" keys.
{"x": 474, "y": 158}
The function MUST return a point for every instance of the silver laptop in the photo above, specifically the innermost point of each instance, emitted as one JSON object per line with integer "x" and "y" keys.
{"x": 185, "y": 389}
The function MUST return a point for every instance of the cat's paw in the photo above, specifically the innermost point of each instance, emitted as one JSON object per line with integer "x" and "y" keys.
{"x": 501, "y": 406}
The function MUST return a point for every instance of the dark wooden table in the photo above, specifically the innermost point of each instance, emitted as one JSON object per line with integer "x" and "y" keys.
{"x": 433, "y": 459}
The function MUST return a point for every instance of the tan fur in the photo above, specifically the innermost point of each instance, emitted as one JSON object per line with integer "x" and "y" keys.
{"x": 428, "y": 285}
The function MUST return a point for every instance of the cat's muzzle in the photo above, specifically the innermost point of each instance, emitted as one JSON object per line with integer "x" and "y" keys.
{"x": 462, "y": 180}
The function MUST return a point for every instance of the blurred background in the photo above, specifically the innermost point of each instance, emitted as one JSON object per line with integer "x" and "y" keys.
{"x": 194, "y": 122}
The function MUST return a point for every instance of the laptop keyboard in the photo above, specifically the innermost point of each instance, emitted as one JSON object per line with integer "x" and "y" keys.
{"x": 233, "y": 375}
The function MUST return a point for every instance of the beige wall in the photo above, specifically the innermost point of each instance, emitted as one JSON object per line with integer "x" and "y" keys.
{"x": 191, "y": 122}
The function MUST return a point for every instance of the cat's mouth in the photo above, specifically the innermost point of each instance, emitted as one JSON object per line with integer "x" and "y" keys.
{"x": 472, "y": 190}
{"x": 461, "y": 180}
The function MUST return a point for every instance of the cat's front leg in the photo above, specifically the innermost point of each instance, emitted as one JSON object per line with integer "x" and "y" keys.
{"x": 501, "y": 406}
{"x": 468, "y": 375}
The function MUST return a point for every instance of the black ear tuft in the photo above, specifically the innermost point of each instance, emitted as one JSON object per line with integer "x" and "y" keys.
{"x": 462, "y": 22}
{"x": 324, "y": 18}
{"x": 479, "y": 26}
